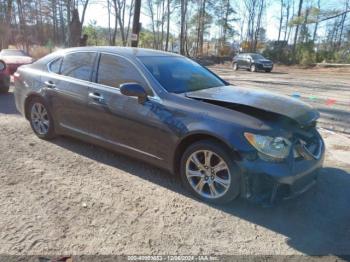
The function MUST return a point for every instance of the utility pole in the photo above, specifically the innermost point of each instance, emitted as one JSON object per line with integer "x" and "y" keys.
{"x": 136, "y": 26}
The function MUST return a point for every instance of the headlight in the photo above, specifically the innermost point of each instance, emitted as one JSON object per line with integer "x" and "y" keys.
{"x": 270, "y": 148}
{"x": 2, "y": 66}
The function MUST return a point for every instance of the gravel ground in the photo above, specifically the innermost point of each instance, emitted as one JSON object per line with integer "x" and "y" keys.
{"x": 68, "y": 197}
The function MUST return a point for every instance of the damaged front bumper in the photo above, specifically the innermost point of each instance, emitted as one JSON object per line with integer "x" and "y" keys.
{"x": 267, "y": 182}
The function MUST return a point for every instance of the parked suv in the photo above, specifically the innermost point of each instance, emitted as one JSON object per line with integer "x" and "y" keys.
{"x": 253, "y": 62}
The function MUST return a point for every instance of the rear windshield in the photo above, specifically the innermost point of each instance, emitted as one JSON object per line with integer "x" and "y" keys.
{"x": 180, "y": 74}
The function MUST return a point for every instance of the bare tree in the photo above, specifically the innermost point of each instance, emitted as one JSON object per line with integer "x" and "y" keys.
{"x": 183, "y": 26}
{"x": 342, "y": 23}
{"x": 296, "y": 34}
{"x": 121, "y": 9}
{"x": 168, "y": 15}
{"x": 6, "y": 23}
{"x": 255, "y": 10}
{"x": 281, "y": 21}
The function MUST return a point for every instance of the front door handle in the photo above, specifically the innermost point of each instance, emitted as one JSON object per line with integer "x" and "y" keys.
{"x": 97, "y": 97}
{"x": 50, "y": 84}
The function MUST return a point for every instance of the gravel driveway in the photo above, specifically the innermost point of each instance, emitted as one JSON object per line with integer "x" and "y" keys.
{"x": 68, "y": 197}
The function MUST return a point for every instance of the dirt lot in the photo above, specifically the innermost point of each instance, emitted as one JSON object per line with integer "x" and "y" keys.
{"x": 69, "y": 197}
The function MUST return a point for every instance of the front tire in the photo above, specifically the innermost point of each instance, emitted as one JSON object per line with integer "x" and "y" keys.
{"x": 253, "y": 68}
{"x": 235, "y": 66}
{"x": 40, "y": 119}
{"x": 209, "y": 172}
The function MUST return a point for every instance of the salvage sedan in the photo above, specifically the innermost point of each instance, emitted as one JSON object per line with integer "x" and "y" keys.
{"x": 224, "y": 141}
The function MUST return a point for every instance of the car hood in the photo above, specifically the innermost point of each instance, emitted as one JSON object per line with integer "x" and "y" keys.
{"x": 289, "y": 107}
{"x": 263, "y": 60}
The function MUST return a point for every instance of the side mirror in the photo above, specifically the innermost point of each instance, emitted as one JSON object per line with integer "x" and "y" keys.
{"x": 134, "y": 89}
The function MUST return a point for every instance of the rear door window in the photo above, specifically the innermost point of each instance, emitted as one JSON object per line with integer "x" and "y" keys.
{"x": 79, "y": 65}
{"x": 55, "y": 66}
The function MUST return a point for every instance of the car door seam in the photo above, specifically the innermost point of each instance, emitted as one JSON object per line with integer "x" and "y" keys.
{"x": 109, "y": 141}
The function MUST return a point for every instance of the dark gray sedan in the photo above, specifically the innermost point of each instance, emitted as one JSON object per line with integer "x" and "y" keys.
{"x": 224, "y": 141}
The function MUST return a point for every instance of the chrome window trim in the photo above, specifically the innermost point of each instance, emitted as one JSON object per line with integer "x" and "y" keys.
{"x": 154, "y": 97}
{"x": 75, "y": 52}
{"x": 62, "y": 55}
{"x": 48, "y": 65}
{"x": 69, "y": 77}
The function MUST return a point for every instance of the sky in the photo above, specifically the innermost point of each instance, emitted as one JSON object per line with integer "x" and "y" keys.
{"x": 97, "y": 11}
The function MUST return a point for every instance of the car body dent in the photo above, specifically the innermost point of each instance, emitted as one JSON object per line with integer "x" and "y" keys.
{"x": 264, "y": 100}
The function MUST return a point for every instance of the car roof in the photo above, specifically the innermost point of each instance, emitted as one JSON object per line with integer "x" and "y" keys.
{"x": 250, "y": 54}
{"x": 125, "y": 51}
{"x": 128, "y": 52}
{"x": 11, "y": 49}
{"x": 17, "y": 50}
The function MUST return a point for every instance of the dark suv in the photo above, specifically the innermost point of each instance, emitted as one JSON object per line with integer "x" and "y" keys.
{"x": 253, "y": 62}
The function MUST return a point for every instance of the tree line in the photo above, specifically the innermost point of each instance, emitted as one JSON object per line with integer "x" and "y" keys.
{"x": 308, "y": 30}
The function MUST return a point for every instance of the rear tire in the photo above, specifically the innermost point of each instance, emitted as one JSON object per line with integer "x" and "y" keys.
{"x": 40, "y": 119}
{"x": 215, "y": 177}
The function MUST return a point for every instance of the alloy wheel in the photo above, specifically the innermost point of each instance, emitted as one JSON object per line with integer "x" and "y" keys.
{"x": 40, "y": 119}
{"x": 208, "y": 174}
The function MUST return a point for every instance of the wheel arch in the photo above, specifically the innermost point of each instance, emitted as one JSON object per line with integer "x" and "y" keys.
{"x": 193, "y": 138}
{"x": 29, "y": 98}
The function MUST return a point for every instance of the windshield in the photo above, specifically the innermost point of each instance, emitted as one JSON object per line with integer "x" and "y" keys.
{"x": 257, "y": 56}
{"x": 179, "y": 74}
{"x": 12, "y": 52}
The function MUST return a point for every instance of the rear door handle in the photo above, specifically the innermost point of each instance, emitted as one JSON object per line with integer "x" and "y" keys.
{"x": 97, "y": 97}
{"x": 50, "y": 84}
